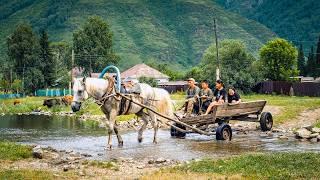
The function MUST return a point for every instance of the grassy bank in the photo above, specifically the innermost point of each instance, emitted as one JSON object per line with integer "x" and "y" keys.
{"x": 12, "y": 151}
{"x": 257, "y": 166}
{"x": 30, "y": 104}
{"x": 291, "y": 107}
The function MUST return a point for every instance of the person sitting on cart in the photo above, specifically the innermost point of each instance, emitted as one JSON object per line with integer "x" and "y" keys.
{"x": 192, "y": 96}
{"x": 233, "y": 96}
{"x": 220, "y": 96}
{"x": 206, "y": 95}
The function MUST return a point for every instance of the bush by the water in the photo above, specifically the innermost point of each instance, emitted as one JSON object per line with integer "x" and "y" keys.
{"x": 12, "y": 151}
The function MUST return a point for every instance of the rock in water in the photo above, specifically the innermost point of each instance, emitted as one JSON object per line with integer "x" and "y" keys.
{"x": 303, "y": 133}
{"x": 315, "y": 130}
{"x": 160, "y": 160}
{"x": 314, "y": 135}
{"x": 37, "y": 152}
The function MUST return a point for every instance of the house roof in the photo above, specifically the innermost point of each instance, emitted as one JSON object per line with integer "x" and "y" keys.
{"x": 141, "y": 70}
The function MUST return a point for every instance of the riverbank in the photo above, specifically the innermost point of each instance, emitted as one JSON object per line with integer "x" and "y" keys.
{"x": 287, "y": 165}
{"x": 54, "y": 164}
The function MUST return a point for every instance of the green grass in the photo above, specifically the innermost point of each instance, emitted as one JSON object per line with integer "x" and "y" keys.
{"x": 25, "y": 174}
{"x": 29, "y": 104}
{"x": 12, "y": 151}
{"x": 291, "y": 107}
{"x": 258, "y": 166}
{"x": 317, "y": 124}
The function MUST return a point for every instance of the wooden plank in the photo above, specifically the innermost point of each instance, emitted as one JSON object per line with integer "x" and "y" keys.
{"x": 245, "y": 108}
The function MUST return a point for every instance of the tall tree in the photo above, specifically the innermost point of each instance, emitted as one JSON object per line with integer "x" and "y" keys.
{"x": 318, "y": 52}
{"x": 279, "y": 59}
{"x": 236, "y": 65}
{"x": 318, "y": 59}
{"x": 311, "y": 64}
{"x": 93, "y": 45}
{"x": 301, "y": 61}
{"x": 47, "y": 62}
{"x": 23, "y": 48}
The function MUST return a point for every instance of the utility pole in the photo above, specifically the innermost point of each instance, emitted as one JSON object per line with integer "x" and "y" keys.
{"x": 72, "y": 62}
{"x": 23, "y": 79}
{"x": 217, "y": 51}
{"x": 71, "y": 75}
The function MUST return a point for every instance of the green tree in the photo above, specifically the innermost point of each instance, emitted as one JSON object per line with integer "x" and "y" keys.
{"x": 317, "y": 73}
{"x": 23, "y": 48}
{"x": 34, "y": 80}
{"x": 279, "y": 59}
{"x": 4, "y": 85}
{"x": 93, "y": 45}
{"x": 16, "y": 85}
{"x": 151, "y": 81}
{"x": 235, "y": 65}
{"x": 48, "y": 65}
{"x": 301, "y": 61}
{"x": 311, "y": 63}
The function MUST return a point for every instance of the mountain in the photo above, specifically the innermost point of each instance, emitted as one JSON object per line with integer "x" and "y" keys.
{"x": 295, "y": 20}
{"x": 172, "y": 31}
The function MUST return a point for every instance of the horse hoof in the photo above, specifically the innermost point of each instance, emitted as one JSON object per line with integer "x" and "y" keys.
{"x": 139, "y": 140}
{"x": 155, "y": 142}
{"x": 120, "y": 144}
{"x": 109, "y": 147}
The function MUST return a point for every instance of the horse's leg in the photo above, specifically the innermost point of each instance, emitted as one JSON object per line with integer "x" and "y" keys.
{"x": 155, "y": 126}
{"x": 144, "y": 117}
{"x": 111, "y": 117}
{"x": 120, "y": 141}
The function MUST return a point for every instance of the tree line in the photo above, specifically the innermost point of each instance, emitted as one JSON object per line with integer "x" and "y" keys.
{"x": 37, "y": 63}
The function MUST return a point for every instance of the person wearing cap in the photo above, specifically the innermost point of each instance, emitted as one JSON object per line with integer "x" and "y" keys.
{"x": 192, "y": 96}
{"x": 220, "y": 96}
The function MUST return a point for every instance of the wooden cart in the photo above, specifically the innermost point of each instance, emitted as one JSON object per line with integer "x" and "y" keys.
{"x": 222, "y": 114}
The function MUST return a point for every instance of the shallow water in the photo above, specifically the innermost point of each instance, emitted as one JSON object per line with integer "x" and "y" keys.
{"x": 65, "y": 133}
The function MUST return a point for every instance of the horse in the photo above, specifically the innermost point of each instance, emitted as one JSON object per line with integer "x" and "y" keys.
{"x": 113, "y": 104}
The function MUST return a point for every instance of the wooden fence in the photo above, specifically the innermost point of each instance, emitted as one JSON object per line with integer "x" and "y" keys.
{"x": 288, "y": 88}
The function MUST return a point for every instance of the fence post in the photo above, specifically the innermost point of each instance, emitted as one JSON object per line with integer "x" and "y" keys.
{"x": 47, "y": 92}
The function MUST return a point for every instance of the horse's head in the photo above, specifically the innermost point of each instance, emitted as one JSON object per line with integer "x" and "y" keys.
{"x": 79, "y": 93}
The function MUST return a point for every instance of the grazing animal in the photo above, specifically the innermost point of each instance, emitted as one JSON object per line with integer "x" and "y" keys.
{"x": 157, "y": 98}
{"x": 52, "y": 102}
{"x": 16, "y": 102}
{"x": 67, "y": 100}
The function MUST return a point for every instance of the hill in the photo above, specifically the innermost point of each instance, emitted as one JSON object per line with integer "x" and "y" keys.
{"x": 295, "y": 20}
{"x": 175, "y": 31}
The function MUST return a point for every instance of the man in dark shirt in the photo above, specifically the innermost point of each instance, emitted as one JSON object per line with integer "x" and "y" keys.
{"x": 220, "y": 96}
{"x": 233, "y": 96}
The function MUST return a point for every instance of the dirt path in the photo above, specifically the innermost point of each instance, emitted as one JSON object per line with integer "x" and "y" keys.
{"x": 306, "y": 118}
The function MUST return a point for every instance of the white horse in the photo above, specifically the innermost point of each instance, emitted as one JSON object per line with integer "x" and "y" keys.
{"x": 114, "y": 105}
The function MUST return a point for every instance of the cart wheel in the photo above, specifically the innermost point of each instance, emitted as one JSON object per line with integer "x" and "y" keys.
{"x": 175, "y": 133}
{"x": 266, "y": 121}
{"x": 224, "y": 132}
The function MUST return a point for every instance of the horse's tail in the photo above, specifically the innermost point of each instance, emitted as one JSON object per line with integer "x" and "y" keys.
{"x": 164, "y": 103}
